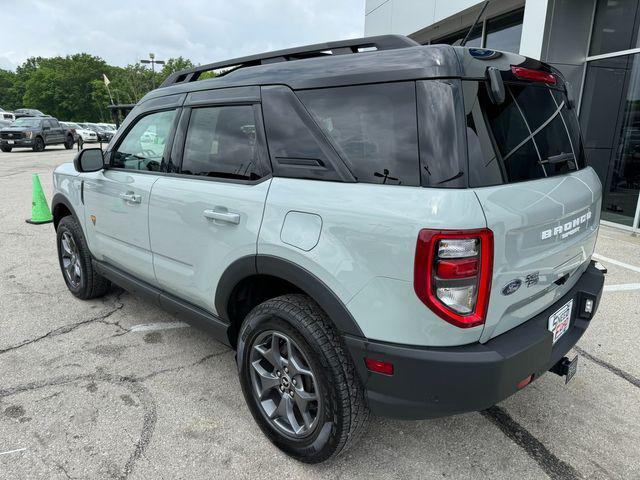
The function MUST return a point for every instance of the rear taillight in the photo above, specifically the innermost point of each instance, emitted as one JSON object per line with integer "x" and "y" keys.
{"x": 533, "y": 75}
{"x": 452, "y": 274}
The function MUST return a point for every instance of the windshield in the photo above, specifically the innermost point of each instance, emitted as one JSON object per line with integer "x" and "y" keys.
{"x": 73, "y": 125}
{"x": 531, "y": 135}
{"x": 26, "y": 122}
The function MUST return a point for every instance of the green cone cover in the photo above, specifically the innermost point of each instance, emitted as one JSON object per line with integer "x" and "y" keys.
{"x": 40, "y": 212}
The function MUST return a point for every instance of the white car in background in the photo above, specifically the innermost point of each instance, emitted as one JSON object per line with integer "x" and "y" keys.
{"x": 108, "y": 126}
{"x": 84, "y": 133}
{"x": 7, "y": 116}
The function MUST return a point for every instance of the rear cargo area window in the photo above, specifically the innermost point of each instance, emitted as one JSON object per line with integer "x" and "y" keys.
{"x": 373, "y": 128}
{"x": 531, "y": 135}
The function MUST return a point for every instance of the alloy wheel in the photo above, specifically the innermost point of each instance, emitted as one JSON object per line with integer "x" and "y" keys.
{"x": 71, "y": 260}
{"x": 284, "y": 384}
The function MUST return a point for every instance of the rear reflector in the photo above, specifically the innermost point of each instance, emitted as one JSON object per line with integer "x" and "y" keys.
{"x": 378, "y": 366}
{"x": 452, "y": 274}
{"x": 525, "y": 381}
{"x": 533, "y": 75}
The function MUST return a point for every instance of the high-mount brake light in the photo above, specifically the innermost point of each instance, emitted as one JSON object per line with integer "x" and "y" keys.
{"x": 533, "y": 75}
{"x": 452, "y": 274}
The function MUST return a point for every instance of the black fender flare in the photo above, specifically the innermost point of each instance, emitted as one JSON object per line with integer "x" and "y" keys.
{"x": 286, "y": 270}
{"x": 57, "y": 200}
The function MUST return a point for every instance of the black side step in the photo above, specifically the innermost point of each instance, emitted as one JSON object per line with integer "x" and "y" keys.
{"x": 192, "y": 314}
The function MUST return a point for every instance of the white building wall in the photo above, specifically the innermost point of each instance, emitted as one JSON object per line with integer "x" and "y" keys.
{"x": 408, "y": 16}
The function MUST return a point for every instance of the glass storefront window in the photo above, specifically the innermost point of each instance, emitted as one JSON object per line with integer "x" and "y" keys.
{"x": 611, "y": 127}
{"x": 613, "y": 26}
{"x": 504, "y": 32}
{"x": 474, "y": 40}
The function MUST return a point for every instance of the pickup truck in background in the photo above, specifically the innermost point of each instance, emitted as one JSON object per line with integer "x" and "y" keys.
{"x": 36, "y": 133}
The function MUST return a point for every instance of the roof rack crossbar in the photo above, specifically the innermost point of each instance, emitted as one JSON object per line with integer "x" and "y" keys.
{"x": 381, "y": 42}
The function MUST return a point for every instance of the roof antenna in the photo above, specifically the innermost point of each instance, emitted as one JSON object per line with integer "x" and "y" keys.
{"x": 466, "y": 37}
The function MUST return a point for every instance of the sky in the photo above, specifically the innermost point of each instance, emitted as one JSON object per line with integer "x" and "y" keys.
{"x": 123, "y": 32}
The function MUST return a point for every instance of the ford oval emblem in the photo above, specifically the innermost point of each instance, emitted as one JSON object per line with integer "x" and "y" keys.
{"x": 511, "y": 287}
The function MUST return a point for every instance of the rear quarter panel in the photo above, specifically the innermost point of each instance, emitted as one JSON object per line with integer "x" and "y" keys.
{"x": 366, "y": 246}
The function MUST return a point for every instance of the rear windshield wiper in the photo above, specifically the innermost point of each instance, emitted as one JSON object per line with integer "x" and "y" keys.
{"x": 562, "y": 157}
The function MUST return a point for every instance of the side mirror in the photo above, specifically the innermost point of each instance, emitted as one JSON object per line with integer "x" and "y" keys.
{"x": 89, "y": 160}
{"x": 46, "y": 128}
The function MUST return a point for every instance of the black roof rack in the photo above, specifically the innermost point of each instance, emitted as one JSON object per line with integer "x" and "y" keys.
{"x": 381, "y": 42}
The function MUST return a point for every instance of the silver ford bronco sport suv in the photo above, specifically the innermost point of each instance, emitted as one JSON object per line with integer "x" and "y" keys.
{"x": 373, "y": 225}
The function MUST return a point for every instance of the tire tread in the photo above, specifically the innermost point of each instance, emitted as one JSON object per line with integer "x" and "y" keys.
{"x": 313, "y": 319}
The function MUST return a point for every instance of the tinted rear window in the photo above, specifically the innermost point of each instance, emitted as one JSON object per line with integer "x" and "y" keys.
{"x": 373, "y": 128}
{"x": 531, "y": 135}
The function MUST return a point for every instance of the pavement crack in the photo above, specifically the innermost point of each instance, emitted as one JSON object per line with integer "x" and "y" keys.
{"x": 133, "y": 384}
{"x": 181, "y": 367}
{"x": 71, "y": 327}
{"x": 633, "y": 380}
{"x": 555, "y": 468}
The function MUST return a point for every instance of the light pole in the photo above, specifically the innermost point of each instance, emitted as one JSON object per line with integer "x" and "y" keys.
{"x": 152, "y": 60}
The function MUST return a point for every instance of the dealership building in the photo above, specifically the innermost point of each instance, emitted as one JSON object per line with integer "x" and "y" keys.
{"x": 594, "y": 43}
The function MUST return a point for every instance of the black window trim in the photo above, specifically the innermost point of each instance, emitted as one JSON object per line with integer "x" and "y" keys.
{"x": 177, "y": 153}
{"x": 292, "y": 165}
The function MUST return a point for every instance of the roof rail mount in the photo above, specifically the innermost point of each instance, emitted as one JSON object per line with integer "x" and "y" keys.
{"x": 341, "y": 47}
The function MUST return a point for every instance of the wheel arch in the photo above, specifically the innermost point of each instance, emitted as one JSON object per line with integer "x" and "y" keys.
{"x": 61, "y": 207}
{"x": 281, "y": 276}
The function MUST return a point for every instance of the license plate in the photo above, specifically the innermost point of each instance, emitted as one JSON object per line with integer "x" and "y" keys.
{"x": 559, "y": 321}
{"x": 10, "y": 142}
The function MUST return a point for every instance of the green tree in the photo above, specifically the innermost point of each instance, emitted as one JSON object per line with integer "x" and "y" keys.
{"x": 63, "y": 87}
{"x": 73, "y": 88}
{"x": 8, "y": 98}
{"x": 175, "y": 65}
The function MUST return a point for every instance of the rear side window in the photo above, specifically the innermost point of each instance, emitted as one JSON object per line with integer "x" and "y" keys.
{"x": 531, "y": 135}
{"x": 373, "y": 128}
{"x": 221, "y": 142}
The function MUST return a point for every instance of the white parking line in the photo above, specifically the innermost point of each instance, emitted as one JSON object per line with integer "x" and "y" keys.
{"x": 14, "y": 451}
{"x": 151, "y": 327}
{"x": 622, "y": 287}
{"x": 633, "y": 268}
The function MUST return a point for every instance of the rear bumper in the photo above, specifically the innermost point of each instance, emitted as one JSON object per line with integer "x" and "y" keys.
{"x": 432, "y": 382}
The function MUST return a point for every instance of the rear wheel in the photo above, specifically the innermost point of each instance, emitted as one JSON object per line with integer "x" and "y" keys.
{"x": 68, "y": 144}
{"x": 38, "y": 144}
{"x": 6, "y": 149}
{"x": 75, "y": 262}
{"x": 298, "y": 380}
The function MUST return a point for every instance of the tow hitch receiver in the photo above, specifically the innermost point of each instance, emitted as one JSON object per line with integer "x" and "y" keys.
{"x": 566, "y": 368}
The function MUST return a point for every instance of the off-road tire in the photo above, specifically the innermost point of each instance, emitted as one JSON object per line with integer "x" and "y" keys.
{"x": 344, "y": 412}
{"x": 91, "y": 284}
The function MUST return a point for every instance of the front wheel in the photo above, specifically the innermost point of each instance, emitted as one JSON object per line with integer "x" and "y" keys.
{"x": 75, "y": 262}
{"x": 298, "y": 380}
{"x": 38, "y": 144}
{"x": 68, "y": 144}
{"x": 6, "y": 149}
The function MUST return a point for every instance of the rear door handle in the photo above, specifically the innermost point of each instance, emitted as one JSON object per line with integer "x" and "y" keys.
{"x": 222, "y": 216}
{"x": 131, "y": 197}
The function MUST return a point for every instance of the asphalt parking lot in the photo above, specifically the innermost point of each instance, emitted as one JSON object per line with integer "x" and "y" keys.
{"x": 116, "y": 388}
